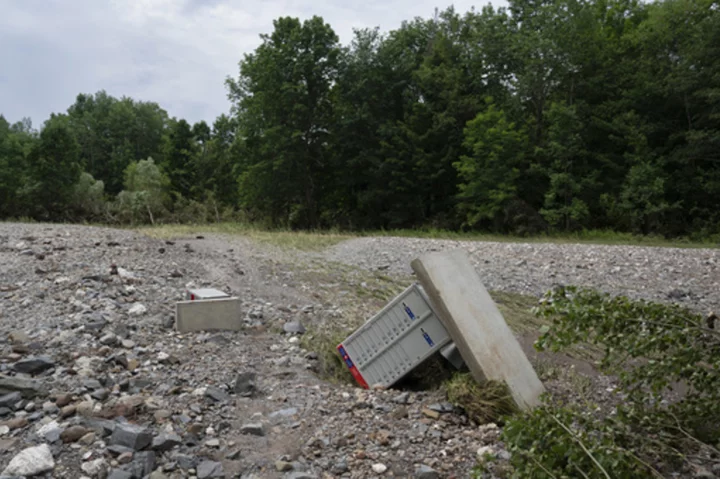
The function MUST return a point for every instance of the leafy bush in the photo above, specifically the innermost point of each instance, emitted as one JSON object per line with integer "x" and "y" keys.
{"x": 88, "y": 197}
{"x": 667, "y": 363}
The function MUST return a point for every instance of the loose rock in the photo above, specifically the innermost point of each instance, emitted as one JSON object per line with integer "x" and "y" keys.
{"x": 31, "y": 462}
{"x": 210, "y": 469}
{"x": 34, "y": 366}
{"x": 131, "y": 435}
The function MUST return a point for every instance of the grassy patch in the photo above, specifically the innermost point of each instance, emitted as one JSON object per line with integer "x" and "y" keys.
{"x": 315, "y": 240}
{"x": 483, "y": 402}
{"x": 517, "y": 311}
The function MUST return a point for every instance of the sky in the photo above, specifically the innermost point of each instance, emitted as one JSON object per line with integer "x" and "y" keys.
{"x": 177, "y": 53}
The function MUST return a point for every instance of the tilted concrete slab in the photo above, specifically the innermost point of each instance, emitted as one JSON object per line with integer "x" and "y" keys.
{"x": 210, "y": 314}
{"x": 475, "y": 324}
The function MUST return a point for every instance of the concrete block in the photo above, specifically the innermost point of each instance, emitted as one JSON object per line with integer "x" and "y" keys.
{"x": 211, "y": 314}
{"x": 475, "y": 324}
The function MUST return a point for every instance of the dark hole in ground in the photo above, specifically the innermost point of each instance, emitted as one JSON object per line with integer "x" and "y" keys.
{"x": 428, "y": 375}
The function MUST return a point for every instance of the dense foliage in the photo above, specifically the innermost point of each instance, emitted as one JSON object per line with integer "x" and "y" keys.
{"x": 546, "y": 115}
{"x": 666, "y": 418}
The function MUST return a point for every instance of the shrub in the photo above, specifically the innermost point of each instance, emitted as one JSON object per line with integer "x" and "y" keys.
{"x": 658, "y": 428}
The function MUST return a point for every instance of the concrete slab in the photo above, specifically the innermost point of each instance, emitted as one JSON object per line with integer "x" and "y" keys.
{"x": 475, "y": 324}
{"x": 211, "y": 314}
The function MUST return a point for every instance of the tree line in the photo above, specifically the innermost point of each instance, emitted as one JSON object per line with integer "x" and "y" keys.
{"x": 547, "y": 115}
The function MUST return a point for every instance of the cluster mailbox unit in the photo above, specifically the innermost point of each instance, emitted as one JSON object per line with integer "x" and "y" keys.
{"x": 396, "y": 340}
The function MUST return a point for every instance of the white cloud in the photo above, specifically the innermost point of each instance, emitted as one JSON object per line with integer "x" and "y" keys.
{"x": 175, "y": 52}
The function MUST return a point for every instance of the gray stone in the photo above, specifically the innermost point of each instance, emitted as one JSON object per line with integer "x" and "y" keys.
{"x": 101, "y": 427}
{"x": 100, "y": 394}
{"x": 217, "y": 394}
{"x": 131, "y": 435}
{"x": 31, "y": 462}
{"x": 245, "y": 384}
{"x": 339, "y": 467}
{"x": 402, "y": 398}
{"x": 441, "y": 407}
{"x": 29, "y": 388}
{"x": 209, "y": 469}
{"x": 120, "y": 474}
{"x": 294, "y": 327}
{"x": 426, "y": 472}
{"x": 92, "y": 384}
{"x": 10, "y": 400}
{"x": 109, "y": 340}
{"x": 166, "y": 441}
{"x": 53, "y": 434}
{"x": 142, "y": 463}
{"x": 255, "y": 429}
{"x": 116, "y": 450}
{"x": 51, "y": 407}
{"x": 5, "y": 411}
{"x": 34, "y": 365}
{"x": 291, "y": 411}
{"x": 35, "y": 416}
{"x": 184, "y": 461}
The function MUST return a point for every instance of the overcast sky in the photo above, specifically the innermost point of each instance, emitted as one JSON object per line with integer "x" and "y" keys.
{"x": 174, "y": 52}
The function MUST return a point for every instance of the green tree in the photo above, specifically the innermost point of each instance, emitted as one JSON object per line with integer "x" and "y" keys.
{"x": 114, "y": 132}
{"x": 15, "y": 143}
{"x": 54, "y": 169}
{"x": 568, "y": 177}
{"x": 146, "y": 191}
{"x": 181, "y": 158}
{"x": 282, "y": 101}
{"x": 89, "y": 197}
{"x": 489, "y": 174}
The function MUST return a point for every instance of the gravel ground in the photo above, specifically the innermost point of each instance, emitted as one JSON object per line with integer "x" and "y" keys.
{"x": 95, "y": 381}
{"x": 688, "y": 276}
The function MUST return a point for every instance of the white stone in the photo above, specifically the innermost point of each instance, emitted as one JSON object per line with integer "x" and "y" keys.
{"x": 485, "y": 451}
{"x": 31, "y": 462}
{"x": 94, "y": 468}
{"x": 125, "y": 274}
{"x": 138, "y": 310}
{"x": 48, "y": 428}
{"x": 379, "y": 468}
{"x": 4, "y": 430}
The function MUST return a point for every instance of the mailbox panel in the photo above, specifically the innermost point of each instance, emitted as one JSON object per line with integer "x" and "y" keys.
{"x": 394, "y": 341}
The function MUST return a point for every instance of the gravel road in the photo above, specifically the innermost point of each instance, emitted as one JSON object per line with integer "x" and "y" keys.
{"x": 688, "y": 276}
